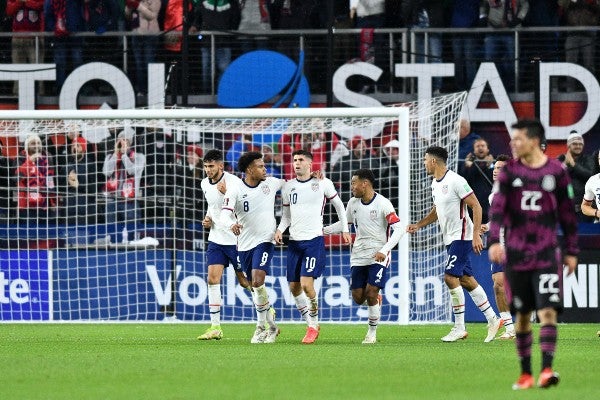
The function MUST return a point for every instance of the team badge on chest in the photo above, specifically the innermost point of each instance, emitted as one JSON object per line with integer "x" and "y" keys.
{"x": 445, "y": 189}
{"x": 373, "y": 215}
{"x": 314, "y": 186}
{"x": 265, "y": 189}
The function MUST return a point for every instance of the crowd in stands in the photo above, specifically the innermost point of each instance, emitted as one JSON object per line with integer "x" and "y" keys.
{"x": 158, "y": 28}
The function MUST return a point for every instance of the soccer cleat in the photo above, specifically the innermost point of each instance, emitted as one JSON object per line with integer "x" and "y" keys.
{"x": 259, "y": 335}
{"x": 455, "y": 334}
{"x": 214, "y": 332}
{"x": 548, "y": 378}
{"x": 371, "y": 338}
{"x": 274, "y": 314}
{"x": 272, "y": 334}
{"x": 493, "y": 327}
{"x": 525, "y": 382}
{"x": 507, "y": 335}
{"x": 311, "y": 335}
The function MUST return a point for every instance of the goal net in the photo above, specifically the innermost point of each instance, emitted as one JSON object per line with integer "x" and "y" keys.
{"x": 101, "y": 211}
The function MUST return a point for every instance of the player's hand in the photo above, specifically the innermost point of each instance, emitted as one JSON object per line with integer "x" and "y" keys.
{"x": 221, "y": 186}
{"x": 496, "y": 253}
{"x": 571, "y": 263}
{"x": 484, "y": 229}
{"x": 207, "y": 222}
{"x": 347, "y": 237}
{"x": 278, "y": 237}
{"x": 477, "y": 244}
{"x": 379, "y": 257}
{"x": 317, "y": 174}
{"x": 412, "y": 228}
{"x": 236, "y": 229}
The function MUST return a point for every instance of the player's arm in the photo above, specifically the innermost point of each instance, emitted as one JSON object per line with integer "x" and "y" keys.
{"x": 337, "y": 227}
{"x": 496, "y": 252}
{"x": 397, "y": 234}
{"x": 227, "y": 216}
{"x": 472, "y": 202}
{"x": 586, "y": 205}
{"x": 428, "y": 219}
{"x": 285, "y": 222}
{"x": 207, "y": 221}
{"x": 341, "y": 212}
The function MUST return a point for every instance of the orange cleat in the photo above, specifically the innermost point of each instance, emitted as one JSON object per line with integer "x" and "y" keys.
{"x": 525, "y": 382}
{"x": 548, "y": 378}
{"x": 311, "y": 335}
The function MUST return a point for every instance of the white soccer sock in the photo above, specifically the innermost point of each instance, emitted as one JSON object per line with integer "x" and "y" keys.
{"x": 302, "y": 305}
{"x": 458, "y": 306}
{"x": 261, "y": 303}
{"x": 374, "y": 315}
{"x": 508, "y": 321}
{"x": 481, "y": 300}
{"x": 214, "y": 304}
{"x": 314, "y": 312}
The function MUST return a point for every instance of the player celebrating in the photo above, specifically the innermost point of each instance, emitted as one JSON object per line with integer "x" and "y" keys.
{"x": 303, "y": 202}
{"x": 221, "y": 241}
{"x": 253, "y": 203}
{"x": 451, "y": 196}
{"x": 498, "y": 269}
{"x": 532, "y": 195}
{"x": 372, "y": 215}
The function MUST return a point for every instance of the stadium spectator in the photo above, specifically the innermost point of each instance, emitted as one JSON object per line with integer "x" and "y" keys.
{"x": 311, "y": 142}
{"x": 242, "y": 145}
{"x": 78, "y": 183}
{"x": 498, "y": 269}
{"x": 254, "y": 18}
{"x": 36, "y": 190}
{"x": 6, "y": 183}
{"x": 64, "y": 17}
{"x": 142, "y": 18}
{"x": 580, "y": 168}
{"x": 499, "y": 48}
{"x": 272, "y": 161}
{"x": 529, "y": 213}
{"x": 27, "y": 16}
{"x": 465, "y": 46}
{"x": 372, "y": 216}
{"x": 466, "y": 141}
{"x": 388, "y": 181}
{"x": 478, "y": 169}
{"x": 451, "y": 196}
{"x": 360, "y": 157}
{"x": 592, "y": 194}
{"x": 249, "y": 211}
{"x": 303, "y": 202}
{"x": 123, "y": 170}
{"x": 580, "y": 45}
{"x": 371, "y": 47}
{"x": 188, "y": 178}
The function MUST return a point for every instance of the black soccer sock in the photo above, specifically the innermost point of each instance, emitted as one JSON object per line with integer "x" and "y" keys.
{"x": 548, "y": 335}
{"x": 524, "y": 342}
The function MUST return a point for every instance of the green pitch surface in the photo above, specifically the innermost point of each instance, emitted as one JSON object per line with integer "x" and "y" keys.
{"x": 152, "y": 361}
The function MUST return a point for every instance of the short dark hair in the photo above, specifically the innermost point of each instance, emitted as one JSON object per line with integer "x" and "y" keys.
{"x": 365, "y": 174}
{"x": 302, "y": 152}
{"x": 502, "y": 157}
{"x": 247, "y": 158}
{"x": 533, "y": 129}
{"x": 213, "y": 155}
{"x": 438, "y": 152}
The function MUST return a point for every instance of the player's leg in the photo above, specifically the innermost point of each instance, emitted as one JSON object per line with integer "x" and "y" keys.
{"x": 294, "y": 257}
{"x": 311, "y": 267}
{"x": 503, "y": 308}
{"x": 216, "y": 258}
{"x": 452, "y": 274}
{"x": 261, "y": 263}
{"x": 549, "y": 302}
{"x": 376, "y": 280}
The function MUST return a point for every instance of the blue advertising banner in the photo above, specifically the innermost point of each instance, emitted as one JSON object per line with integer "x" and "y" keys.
{"x": 24, "y": 290}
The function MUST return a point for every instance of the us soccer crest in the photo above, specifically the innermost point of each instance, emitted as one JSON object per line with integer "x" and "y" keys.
{"x": 445, "y": 189}
{"x": 314, "y": 186}
{"x": 373, "y": 215}
{"x": 266, "y": 189}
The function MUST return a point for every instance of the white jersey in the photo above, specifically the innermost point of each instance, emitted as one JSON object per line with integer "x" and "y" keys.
{"x": 306, "y": 200}
{"x": 449, "y": 194}
{"x": 219, "y": 233}
{"x": 254, "y": 208}
{"x": 372, "y": 224}
{"x": 592, "y": 190}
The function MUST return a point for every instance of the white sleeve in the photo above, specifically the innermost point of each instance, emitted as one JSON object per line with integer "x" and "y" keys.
{"x": 341, "y": 212}
{"x": 589, "y": 194}
{"x": 285, "y": 219}
{"x": 227, "y": 215}
{"x": 398, "y": 228}
{"x": 333, "y": 228}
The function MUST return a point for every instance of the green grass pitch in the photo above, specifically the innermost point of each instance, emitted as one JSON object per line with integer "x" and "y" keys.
{"x": 165, "y": 361}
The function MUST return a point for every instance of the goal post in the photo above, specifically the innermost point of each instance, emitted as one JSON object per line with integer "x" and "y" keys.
{"x": 130, "y": 246}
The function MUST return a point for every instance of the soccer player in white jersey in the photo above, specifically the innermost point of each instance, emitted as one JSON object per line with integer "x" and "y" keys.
{"x": 451, "y": 197}
{"x": 221, "y": 241}
{"x": 303, "y": 201}
{"x": 249, "y": 212}
{"x": 592, "y": 194}
{"x": 498, "y": 268}
{"x": 372, "y": 216}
